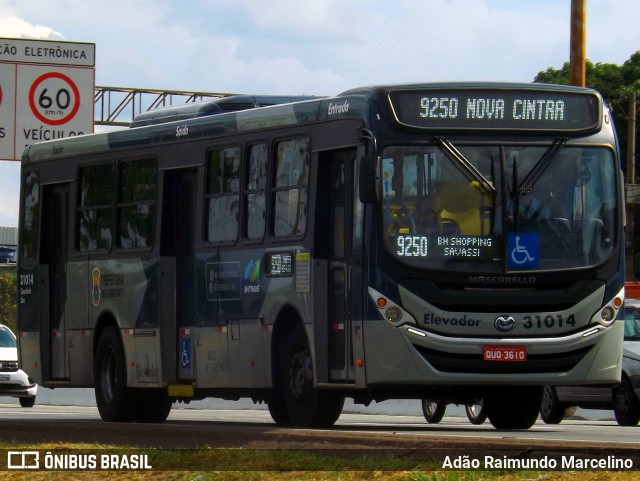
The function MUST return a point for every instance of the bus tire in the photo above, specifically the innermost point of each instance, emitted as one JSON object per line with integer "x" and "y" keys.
{"x": 153, "y": 405}
{"x": 307, "y": 406}
{"x": 114, "y": 400}
{"x": 278, "y": 406}
{"x": 514, "y": 407}
{"x": 551, "y": 411}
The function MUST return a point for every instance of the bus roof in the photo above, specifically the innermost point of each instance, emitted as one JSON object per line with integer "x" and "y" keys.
{"x": 283, "y": 114}
{"x": 403, "y": 102}
{"x": 232, "y": 103}
{"x": 468, "y": 86}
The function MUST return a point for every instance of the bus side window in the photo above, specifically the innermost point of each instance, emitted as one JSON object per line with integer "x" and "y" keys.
{"x": 31, "y": 209}
{"x": 95, "y": 207}
{"x": 291, "y": 188}
{"x": 223, "y": 194}
{"x": 137, "y": 203}
{"x": 254, "y": 193}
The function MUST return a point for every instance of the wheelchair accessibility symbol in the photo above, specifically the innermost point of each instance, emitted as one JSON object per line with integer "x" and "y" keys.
{"x": 524, "y": 250}
{"x": 185, "y": 353}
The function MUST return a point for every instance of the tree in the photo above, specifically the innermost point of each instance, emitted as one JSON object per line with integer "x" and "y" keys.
{"x": 609, "y": 79}
{"x": 614, "y": 82}
{"x": 8, "y": 293}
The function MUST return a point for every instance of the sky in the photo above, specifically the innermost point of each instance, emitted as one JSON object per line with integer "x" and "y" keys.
{"x": 319, "y": 47}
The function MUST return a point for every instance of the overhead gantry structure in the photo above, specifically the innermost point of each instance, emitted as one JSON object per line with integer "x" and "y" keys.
{"x": 117, "y": 106}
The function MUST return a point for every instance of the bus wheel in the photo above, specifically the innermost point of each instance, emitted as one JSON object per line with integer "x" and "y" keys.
{"x": 513, "y": 408}
{"x": 114, "y": 400}
{"x": 278, "y": 410}
{"x": 153, "y": 405}
{"x": 433, "y": 410}
{"x": 306, "y": 405}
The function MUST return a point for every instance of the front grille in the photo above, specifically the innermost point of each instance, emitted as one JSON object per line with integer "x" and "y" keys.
{"x": 464, "y": 299}
{"x": 474, "y": 363}
{"x": 8, "y": 366}
{"x": 8, "y": 388}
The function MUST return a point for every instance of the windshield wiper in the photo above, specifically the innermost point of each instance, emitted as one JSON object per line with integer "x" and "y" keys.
{"x": 457, "y": 156}
{"x": 534, "y": 174}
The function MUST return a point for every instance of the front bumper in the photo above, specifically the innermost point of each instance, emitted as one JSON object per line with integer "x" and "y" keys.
{"x": 17, "y": 384}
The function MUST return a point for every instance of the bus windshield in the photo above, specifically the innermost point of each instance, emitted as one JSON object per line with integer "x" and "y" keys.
{"x": 498, "y": 208}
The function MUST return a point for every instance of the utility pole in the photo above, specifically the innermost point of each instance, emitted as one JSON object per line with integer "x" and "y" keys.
{"x": 578, "y": 55}
{"x": 630, "y": 180}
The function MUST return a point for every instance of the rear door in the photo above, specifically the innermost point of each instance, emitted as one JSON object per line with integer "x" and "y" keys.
{"x": 54, "y": 245}
{"x": 178, "y": 242}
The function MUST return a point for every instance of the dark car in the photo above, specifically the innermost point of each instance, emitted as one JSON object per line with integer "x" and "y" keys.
{"x": 7, "y": 255}
{"x": 624, "y": 398}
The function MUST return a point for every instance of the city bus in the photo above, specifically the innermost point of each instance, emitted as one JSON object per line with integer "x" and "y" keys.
{"x": 451, "y": 242}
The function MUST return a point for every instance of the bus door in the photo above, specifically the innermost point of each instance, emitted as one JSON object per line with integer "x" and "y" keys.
{"x": 178, "y": 242}
{"x": 54, "y": 247}
{"x": 342, "y": 280}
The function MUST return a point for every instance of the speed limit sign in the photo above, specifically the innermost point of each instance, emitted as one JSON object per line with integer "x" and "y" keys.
{"x": 54, "y": 98}
{"x": 55, "y": 102}
{"x": 46, "y": 92}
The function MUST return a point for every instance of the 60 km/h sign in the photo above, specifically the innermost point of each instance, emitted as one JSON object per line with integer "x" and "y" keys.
{"x": 54, "y": 98}
{"x": 46, "y": 90}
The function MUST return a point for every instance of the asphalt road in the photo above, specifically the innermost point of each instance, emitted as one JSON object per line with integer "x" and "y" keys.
{"x": 402, "y": 436}
{"x": 402, "y": 407}
{"x": 59, "y": 422}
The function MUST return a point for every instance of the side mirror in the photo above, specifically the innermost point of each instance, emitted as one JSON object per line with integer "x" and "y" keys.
{"x": 367, "y": 180}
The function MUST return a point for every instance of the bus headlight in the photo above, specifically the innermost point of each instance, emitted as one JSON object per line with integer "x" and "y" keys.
{"x": 389, "y": 310}
{"x": 609, "y": 312}
{"x": 393, "y": 314}
{"x": 608, "y": 315}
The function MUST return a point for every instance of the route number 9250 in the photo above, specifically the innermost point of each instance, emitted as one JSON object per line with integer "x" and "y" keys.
{"x": 412, "y": 246}
{"x": 439, "y": 107}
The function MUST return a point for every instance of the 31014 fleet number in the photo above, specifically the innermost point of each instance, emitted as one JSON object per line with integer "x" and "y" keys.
{"x": 548, "y": 321}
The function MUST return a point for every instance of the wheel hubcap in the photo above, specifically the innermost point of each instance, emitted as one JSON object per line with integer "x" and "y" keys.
{"x": 300, "y": 374}
{"x": 107, "y": 378}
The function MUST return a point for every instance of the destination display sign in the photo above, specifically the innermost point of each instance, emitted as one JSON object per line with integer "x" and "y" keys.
{"x": 280, "y": 264}
{"x": 492, "y": 109}
{"x": 452, "y": 247}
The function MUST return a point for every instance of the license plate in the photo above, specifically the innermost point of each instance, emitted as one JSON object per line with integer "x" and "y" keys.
{"x": 5, "y": 378}
{"x": 504, "y": 353}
